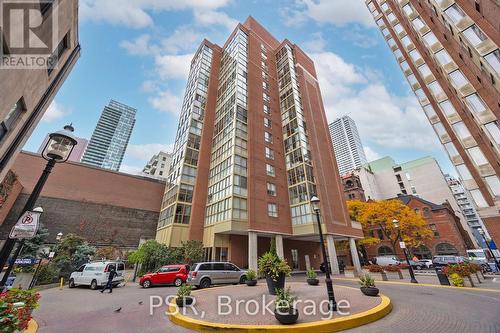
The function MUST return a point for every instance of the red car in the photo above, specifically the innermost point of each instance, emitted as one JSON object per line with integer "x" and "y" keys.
{"x": 166, "y": 275}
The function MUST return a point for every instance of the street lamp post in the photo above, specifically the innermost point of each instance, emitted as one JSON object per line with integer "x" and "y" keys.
{"x": 34, "y": 278}
{"x": 481, "y": 232}
{"x": 395, "y": 223}
{"x": 328, "y": 280}
{"x": 57, "y": 150}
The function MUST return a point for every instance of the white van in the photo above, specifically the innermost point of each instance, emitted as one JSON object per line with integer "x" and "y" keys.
{"x": 95, "y": 274}
{"x": 387, "y": 260}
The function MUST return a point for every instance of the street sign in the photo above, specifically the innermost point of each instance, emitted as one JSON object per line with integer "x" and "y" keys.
{"x": 52, "y": 254}
{"x": 402, "y": 245}
{"x": 26, "y": 226}
{"x": 493, "y": 246}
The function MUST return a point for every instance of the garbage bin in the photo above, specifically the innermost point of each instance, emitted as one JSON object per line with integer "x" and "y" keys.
{"x": 443, "y": 279}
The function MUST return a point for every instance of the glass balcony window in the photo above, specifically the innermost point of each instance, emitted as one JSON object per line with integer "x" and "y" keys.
{"x": 418, "y": 23}
{"x": 447, "y": 108}
{"x": 458, "y": 79}
{"x": 412, "y": 79}
{"x": 371, "y": 6}
{"x": 442, "y": 57}
{"x": 494, "y": 130}
{"x": 493, "y": 184}
{"x": 424, "y": 70}
{"x": 421, "y": 95}
{"x": 380, "y": 22}
{"x": 464, "y": 172}
{"x": 405, "y": 66}
{"x": 493, "y": 60}
{"x": 391, "y": 17}
{"x": 454, "y": 13}
{"x": 391, "y": 42}
{"x": 474, "y": 35}
{"x": 384, "y": 6}
{"x": 435, "y": 88}
{"x": 408, "y": 9}
{"x": 478, "y": 198}
{"x": 398, "y": 53}
{"x": 450, "y": 148}
{"x": 461, "y": 130}
{"x": 439, "y": 128}
{"x": 406, "y": 41}
{"x": 385, "y": 32}
{"x": 398, "y": 28}
{"x": 415, "y": 55}
{"x": 477, "y": 156}
{"x": 429, "y": 111}
{"x": 430, "y": 39}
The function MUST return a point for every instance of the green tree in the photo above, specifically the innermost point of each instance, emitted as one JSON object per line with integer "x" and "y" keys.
{"x": 152, "y": 255}
{"x": 33, "y": 245}
{"x": 191, "y": 252}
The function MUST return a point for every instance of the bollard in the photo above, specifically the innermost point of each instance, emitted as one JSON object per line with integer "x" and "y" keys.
{"x": 443, "y": 279}
{"x": 61, "y": 284}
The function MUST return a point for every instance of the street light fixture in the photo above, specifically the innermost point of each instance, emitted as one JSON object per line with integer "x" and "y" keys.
{"x": 57, "y": 150}
{"x": 395, "y": 223}
{"x": 483, "y": 234}
{"x": 59, "y": 236}
{"x": 329, "y": 287}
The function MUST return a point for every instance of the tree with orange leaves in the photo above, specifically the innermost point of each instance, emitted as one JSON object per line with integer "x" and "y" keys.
{"x": 380, "y": 214}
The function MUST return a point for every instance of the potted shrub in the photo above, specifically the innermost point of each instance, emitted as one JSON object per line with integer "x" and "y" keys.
{"x": 275, "y": 270}
{"x": 251, "y": 278}
{"x": 184, "y": 295}
{"x": 377, "y": 271}
{"x": 457, "y": 280}
{"x": 368, "y": 285}
{"x": 312, "y": 277}
{"x": 393, "y": 270}
{"x": 285, "y": 311}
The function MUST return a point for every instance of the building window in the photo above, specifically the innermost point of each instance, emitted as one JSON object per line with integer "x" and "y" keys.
{"x": 397, "y": 53}
{"x": 494, "y": 60}
{"x": 391, "y": 42}
{"x": 266, "y": 109}
{"x": 386, "y": 32}
{"x": 442, "y": 57}
{"x": 478, "y": 198}
{"x": 493, "y": 184}
{"x": 384, "y": 6}
{"x": 380, "y": 234}
{"x": 424, "y": 70}
{"x": 429, "y": 111}
{"x": 271, "y": 189}
{"x": 269, "y": 153}
{"x": 435, "y": 88}
{"x": 412, "y": 79}
{"x": 461, "y": 130}
{"x": 268, "y": 137}
{"x": 415, "y": 55}
{"x": 474, "y": 35}
{"x": 475, "y": 103}
{"x": 417, "y": 23}
{"x": 477, "y": 156}
{"x": 266, "y": 97}
{"x": 430, "y": 39}
{"x": 447, "y": 108}
{"x": 406, "y": 41}
{"x": 371, "y": 6}
{"x": 265, "y": 86}
{"x": 385, "y": 251}
{"x": 408, "y": 9}
{"x": 454, "y": 13}
{"x": 391, "y": 17}
{"x": 464, "y": 172}
{"x": 458, "y": 79}
{"x": 434, "y": 229}
{"x": 58, "y": 52}
{"x": 421, "y": 96}
{"x": 272, "y": 210}
{"x": 267, "y": 122}
{"x": 494, "y": 131}
{"x": 439, "y": 128}
{"x": 270, "y": 170}
{"x": 450, "y": 148}
{"x": 398, "y": 28}
{"x": 405, "y": 66}
{"x": 11, "y": 118}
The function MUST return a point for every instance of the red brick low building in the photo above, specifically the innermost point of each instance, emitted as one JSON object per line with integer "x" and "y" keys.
{"x": 449, "y": 238}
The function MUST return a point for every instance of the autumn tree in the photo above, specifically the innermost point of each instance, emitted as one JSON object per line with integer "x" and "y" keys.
{"x": 380, "y": 214}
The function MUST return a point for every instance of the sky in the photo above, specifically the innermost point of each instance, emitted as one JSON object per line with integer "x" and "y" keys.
{"x": 139, "y": 54}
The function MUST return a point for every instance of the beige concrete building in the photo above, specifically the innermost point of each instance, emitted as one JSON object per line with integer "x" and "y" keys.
{"x": 26, "y": 91}
{"x": 158, "y": 166}
{"x": 385, "y": 179}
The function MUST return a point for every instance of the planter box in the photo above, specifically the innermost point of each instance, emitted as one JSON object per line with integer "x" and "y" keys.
{"x": 378, "y": 276}
{"x": 394, "y": 275}
{"x": 468, "y": 282}
{"x": 475, "y": 278}
{"x": 480, "y": 277}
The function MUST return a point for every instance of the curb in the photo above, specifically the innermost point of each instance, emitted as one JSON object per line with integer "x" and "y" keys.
{"x": 326, "y": 326}
{"x": 32, "y": 327}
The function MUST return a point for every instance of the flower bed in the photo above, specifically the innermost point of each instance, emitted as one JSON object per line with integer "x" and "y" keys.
{"x": 462, "y": 270}
{"x": 16, "y": 306}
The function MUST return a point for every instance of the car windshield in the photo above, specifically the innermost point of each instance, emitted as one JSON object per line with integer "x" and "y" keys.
{"x": 476, "y": 254}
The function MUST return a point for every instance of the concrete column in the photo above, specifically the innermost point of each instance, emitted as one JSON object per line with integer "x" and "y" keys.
{"x": 279, "y": 246}
{"x": 332, "y": 254}
{"x": 252, "y": 250}
{"x": 355, "y": 257}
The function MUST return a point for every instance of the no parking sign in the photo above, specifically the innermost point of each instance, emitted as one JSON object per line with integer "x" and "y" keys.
{"x": 26, "y": 226}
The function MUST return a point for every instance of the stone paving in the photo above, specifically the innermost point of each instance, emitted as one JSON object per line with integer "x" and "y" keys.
{"x": 230, "y": 305}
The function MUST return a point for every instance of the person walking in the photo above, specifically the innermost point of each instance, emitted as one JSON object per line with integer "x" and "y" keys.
{"x": 111, "y": 276}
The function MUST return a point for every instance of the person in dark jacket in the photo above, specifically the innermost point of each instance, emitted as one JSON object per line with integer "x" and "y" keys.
{"x": 109, "y": 285}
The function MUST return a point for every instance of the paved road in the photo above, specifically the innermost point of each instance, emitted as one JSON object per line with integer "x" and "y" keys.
{"x": 416, "y": 309}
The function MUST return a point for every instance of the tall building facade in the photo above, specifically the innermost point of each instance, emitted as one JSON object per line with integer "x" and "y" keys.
{"x": 158, "y": 165}
{"x": 110, "y": 138}
{"x": 77, "y": 153}
{"x": 26, "y": 93}
{"x": 347, "y": 144}
{"x": 448, "y": 51}
{"x": 385, "y": 179}
{"x": 245, "y": 164}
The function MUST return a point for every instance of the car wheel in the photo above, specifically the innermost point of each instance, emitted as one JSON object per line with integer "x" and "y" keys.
{"x": 71, "y": 283}
{"x": 205, "y": 283}
{"x": 178, "y": 282}
{"x": 93, "y": 285}
{"x": 243, "y": 279}
{"x": 146, "y": 284}
{"x": 419, "y": 268}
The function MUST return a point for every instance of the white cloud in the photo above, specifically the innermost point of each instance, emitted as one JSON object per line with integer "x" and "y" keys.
{"x": 166, "y": 101}
{"x": 144, "y": 152}
{"x": 54, "y": 111}
{"x": 184, "y": 38}
{"x": 134, "y": 13}
{"x": 132, "y": 170}
{"x": 384, "y": 120}
{"x": 173, "y": 66}
{"x": 371, "y": 155}
{"x": 316, "y": 43}
{"x": 336, "y": 12}
{"x": 212, "y": 17}
{"x": 140, "y": 46}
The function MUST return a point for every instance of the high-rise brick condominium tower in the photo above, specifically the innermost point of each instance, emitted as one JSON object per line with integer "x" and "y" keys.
{"x": 252, "y": 147}
{"x": 448, "y": 50}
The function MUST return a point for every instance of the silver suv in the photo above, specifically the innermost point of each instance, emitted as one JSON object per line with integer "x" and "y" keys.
{"x": 205, "y": 274}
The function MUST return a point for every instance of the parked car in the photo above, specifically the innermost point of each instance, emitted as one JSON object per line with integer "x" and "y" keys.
{"x": 386, "y": 260}
{"x": 440, "y": 261}
{"x": 415, "y": 264}
{"x": 166, "y": 275}
{"x": 426, "y": 262}
{"x": 95, "y": 274}
{"x": 205, "y": 274}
